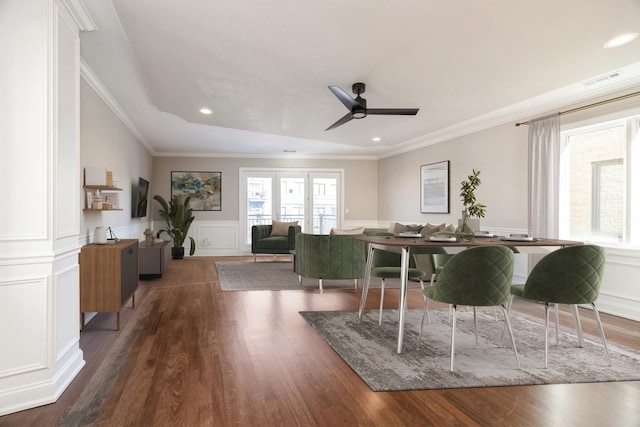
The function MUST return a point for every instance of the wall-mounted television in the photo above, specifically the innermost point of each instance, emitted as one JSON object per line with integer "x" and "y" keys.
{"x": 141, "y": 198}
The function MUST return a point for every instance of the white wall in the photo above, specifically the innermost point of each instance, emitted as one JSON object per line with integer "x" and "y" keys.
{"x": 39, "y": 215}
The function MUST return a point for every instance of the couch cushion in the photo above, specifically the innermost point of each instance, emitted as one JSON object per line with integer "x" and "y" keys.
{"x": 273, "y": 242}
{"x": 336, "y": 232}
{"x": 279, "y": 228}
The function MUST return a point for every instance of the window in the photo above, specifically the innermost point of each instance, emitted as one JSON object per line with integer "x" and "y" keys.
{"x": 600, "y": 191}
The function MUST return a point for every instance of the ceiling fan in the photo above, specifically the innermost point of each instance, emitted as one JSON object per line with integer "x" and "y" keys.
{"x": 358, "y": 106}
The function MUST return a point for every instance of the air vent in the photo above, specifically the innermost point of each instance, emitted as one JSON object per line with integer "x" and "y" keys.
{"x": 603, "y": 78}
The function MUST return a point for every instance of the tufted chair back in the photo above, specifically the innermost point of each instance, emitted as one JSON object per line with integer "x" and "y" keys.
{"x": 569, "y": 275}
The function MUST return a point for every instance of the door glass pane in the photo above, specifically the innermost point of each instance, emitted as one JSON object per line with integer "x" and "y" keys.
{"x": 259, "y": 202}
{"x": 324, "y": 204}
{"x": 292, "y": 199}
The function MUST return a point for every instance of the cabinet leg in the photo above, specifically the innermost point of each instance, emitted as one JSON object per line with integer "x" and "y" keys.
{"x": 81, "y": 322}
{"x": 118, "y": 321}
{"x": 133, "y": 300}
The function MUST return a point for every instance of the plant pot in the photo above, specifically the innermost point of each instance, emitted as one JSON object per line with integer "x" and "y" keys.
{"x": 177, "y": 253}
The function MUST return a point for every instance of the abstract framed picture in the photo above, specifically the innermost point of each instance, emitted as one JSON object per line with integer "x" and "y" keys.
{"x": 204, "y": 188}
{"x": 434, "y": 187}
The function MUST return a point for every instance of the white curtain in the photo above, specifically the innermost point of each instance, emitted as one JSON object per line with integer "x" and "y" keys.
{"x": 544, "y": 172}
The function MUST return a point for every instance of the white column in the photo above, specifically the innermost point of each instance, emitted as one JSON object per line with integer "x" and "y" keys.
{"x": 39, "y": 200}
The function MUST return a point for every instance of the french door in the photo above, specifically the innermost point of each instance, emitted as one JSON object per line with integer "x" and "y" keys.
{"x": 311, "y": 197}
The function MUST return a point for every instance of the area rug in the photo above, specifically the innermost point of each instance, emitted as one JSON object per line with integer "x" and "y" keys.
{"x": 370, "y": 350}
{"x": 277, "y": 275}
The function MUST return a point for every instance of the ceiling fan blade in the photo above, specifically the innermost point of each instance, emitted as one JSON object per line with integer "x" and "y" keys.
{"x": 394, "y": 111}
{"x": 344, "y": 97}
{"x": 340, "y": 122}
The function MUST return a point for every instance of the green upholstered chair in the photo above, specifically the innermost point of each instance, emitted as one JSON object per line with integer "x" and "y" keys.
{"x": 386, "y": 265}
{"x": 262, "y": 242}
{"x": 478, "y": 276}
{"x": 571, "y": 276}
{"x": 325, "y": 257}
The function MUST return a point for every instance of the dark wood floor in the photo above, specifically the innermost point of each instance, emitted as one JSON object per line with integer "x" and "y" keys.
{"x": 211, "y": 358}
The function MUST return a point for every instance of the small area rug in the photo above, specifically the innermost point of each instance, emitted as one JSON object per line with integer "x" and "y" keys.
{"x": 278, "y": 275}
{"x": 370, "y": 350}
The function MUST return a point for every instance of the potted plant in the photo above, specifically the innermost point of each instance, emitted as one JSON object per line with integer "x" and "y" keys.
{"x": 471, "y": 208}
{"x": 178, "y": 216}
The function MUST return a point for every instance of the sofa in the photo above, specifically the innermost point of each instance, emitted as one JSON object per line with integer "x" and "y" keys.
{"x": 266, "y": 240}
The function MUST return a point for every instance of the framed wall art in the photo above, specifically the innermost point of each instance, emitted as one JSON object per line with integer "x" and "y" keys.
{"x": 434, "y": 187}
{"x": 205, "y": 189}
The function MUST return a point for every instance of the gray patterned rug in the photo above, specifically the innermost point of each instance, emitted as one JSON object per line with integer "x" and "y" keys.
{"x": 370, "y": 350}
{"x": 278, "y": 275}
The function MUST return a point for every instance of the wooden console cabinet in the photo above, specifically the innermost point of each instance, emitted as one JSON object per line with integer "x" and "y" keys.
{"x": 108, "y": 277}
{"x": 154, "y": 259}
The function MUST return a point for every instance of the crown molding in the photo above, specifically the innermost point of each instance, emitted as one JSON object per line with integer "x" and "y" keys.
{"x": 89, "y": 76}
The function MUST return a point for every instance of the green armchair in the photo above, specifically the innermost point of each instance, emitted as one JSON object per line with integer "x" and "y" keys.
{"x": 334, "y": 257}
{"x": 262, "y": 242}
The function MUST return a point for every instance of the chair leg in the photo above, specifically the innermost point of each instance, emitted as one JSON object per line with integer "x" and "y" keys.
{"x": 433, "y": 278}
{"x": 475, "y": 325}
{"x": 320, "y": 285}
{"x": 557, "y": 309}
{"x": 254, "y": 257}
{"x": 546, "y": 335}
{"x": 300, "y": 280}
{"x": 507, "y": 322}
{"x": 495, "y": 312}
{"x": 422, "y": 322}
{"x": 453, "y": 335}
{"x": 426, "y": 302}
{"x": 381, "y": 302}
{"x": 604, "y": 340}
{"x": 355, "y": 284}
{"x": 576, "y": 319}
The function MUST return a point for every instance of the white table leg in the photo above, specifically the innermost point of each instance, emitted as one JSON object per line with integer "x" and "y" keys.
{"x": 404, "y": 273}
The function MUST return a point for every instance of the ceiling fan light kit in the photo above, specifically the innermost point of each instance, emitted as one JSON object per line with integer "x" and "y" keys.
{"x": 358, "y": 107}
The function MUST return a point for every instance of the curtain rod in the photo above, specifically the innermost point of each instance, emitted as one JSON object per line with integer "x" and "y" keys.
{"x": 595, "y": 104}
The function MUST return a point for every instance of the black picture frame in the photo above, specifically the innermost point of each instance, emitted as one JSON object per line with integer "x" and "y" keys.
{"x": 434, "y": 187}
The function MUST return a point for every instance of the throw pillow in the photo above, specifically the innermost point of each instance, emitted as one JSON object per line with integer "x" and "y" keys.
{"x": 336, "y": 232}
{"x": 279, "y": 228}
{"x": 429, "y": 229}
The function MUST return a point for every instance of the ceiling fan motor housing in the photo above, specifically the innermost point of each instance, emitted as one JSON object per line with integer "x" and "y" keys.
{"x": 358, "y": 88}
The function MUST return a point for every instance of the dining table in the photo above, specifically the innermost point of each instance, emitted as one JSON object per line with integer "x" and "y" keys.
{"x": 404, "y": 244}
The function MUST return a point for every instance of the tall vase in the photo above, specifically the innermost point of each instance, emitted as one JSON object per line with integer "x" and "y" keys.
{"x": 464, "y": 231}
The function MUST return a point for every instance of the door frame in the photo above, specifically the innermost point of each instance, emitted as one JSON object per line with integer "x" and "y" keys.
{"x": 244, "y": 172}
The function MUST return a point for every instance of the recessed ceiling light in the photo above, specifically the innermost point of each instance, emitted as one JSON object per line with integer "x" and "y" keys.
{"x": 376, "y": 139}
{"x": 289, "y": 151}
{"x": 205, "y": 111}
{"x": 620, "y": 40}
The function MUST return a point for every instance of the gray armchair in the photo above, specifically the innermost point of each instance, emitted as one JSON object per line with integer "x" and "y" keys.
{"x": 262, "y": 242}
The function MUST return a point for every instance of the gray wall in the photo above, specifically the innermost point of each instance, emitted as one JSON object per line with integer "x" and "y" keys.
{"x": 106, "y": 142}
{"x": 500, "y": 153}
{"x": 360, "y": 186}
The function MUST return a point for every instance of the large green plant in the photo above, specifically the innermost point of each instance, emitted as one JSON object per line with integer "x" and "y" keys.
{"x": 178, "y": 217}
{"x": 467, "y": 195}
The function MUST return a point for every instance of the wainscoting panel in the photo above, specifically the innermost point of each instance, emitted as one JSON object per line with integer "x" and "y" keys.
{"x": 216, "y": 238}
{"x": 23, "y": 305}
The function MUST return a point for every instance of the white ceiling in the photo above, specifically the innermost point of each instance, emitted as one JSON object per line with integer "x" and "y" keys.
{"x": 263, "y": 67}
